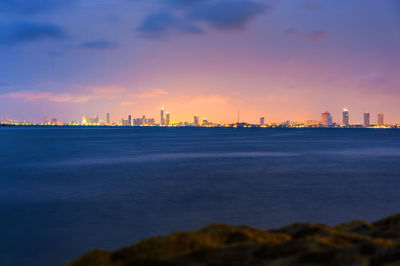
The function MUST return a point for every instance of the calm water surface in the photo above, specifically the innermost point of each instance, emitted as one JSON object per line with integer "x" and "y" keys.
{"x": 65, "y": 191}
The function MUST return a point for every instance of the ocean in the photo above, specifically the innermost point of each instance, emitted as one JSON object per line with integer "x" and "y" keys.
{"x": 67, "y": 190}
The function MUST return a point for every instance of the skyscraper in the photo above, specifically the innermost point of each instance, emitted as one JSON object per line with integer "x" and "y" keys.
{"x": 262, "y": 121}
{"x": 162, "y": 117}
{"x": 326, "y": 119}
{"x": 196, "y": 120}
{"x": 345, "y": 117}
{"x": 380, "y": 120}
{"x": 167, "y": 122}
{"x": 108, "y": 119}
{"x": 367, "y": 119}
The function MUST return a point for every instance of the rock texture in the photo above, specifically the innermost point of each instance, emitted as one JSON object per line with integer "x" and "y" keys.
{"x": 354, "y": 243}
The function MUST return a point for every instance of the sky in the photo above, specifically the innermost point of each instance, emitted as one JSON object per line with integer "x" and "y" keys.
{"x": 284, "y": 60}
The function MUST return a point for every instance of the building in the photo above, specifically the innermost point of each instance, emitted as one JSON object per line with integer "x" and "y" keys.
{"x": 326, "y": 119}
{"x": 167, "y": 119}
{"x": 162, "y": 117}
{"x": 196, "y": 120}
{"x": 381, "y": 121}
{"x": 151, "y": 121}
{"x": 130, "y": 120}
{"x": 346, "y": 117}
{"x": 367, "y": 119}
{"x": 108, "y": 119}
{"x": 90, "y": 120}
{"x": 262, "y": 121}
{"x": 312, "y": 123}
{"x": 144, "y": 120}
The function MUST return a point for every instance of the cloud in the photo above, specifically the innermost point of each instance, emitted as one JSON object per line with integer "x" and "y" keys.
{"x": 210, "y": 99}
{"x": 127, "y": 103}
{"x": 318, "y": 35}
{"x": 48, "y": 96}
{"x": 159, "y": 24}
{"x": 28, "y": 7}
{"x": 228, "y": 15}
{"x": 99, "y": 45}
{"x": 185, "y": 3}
{"x": 218, "y": 14}
{"x": 87, "y": 93}
{"x": 22, "y": 31}
{"x": 149, "y": 93}
{"x": 104, "y": 90}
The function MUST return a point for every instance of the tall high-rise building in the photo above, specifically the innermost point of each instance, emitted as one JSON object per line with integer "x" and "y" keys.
{"x": 346, "y": 117}
{"x": 381, "y": 121}
{"x": 196, "y": 120}
{"x": 326, "y": 119}
{"x": 167, "y": 119}
{"x": 162, "y": 117}
{"x": 108, "y": 119}
{"x": 262, "y": 121}
{"x": 130, "y": 120}
{"x": 367, "y": 119}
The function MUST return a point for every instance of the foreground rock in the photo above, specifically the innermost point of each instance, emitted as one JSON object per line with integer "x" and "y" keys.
{"x": 354, "y": 243}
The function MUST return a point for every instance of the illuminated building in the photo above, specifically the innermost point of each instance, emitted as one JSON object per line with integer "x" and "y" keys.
{"x": 262, "y": 121}
{"x": 380, "y": 120}
{"x": 167, "y": 122}
{"x": 345, "y": 117}
{"x": 326, "y": 119}
{"x": 90, "y": 120}
{"x": 162, "y": 117}
{"x": 144, "y": 120}
{"x": 311, "y": 123}
{"x": 367, "y": 119}
{"x": 196, "y": 120}
{"x": 151, "y": 121}
{"x": 130, "y": 120}
{"x": 108, "y": 119}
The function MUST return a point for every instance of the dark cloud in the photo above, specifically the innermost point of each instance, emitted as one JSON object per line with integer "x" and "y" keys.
{"x": 184, "y": 16}
{"x": 185, "y": 3}
{"x": 318, "y": 35}
{"x": 23, "y": 31}
{"x": 99, "y": 45}
{"x": 31, "y": 6}
{"x": 228, "y": 15}
{"x": 159, "y": 24}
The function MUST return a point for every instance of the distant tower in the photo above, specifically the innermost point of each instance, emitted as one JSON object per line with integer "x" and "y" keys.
{"x": 196, "y": 120}
{"x": 130, "y": 120}
{"x": 380, "y": 120}
{"x": 167, "y": 122}
{"x": 108, "y": 119}
{"x": 345, "y": 117}
{"x": 162, "y": 117}
{"x": 326, "y": 119}
{"x": 367, "y": 119}
{"x": 262, "y": 121}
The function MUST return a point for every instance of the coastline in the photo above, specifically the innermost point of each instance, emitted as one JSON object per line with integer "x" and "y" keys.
{"x": 356, "y": 242}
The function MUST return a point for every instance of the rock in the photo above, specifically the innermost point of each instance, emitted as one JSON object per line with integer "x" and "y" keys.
{"x": 353, "y": 243}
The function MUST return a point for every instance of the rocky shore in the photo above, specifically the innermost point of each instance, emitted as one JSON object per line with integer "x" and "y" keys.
{"x": 354, "y": 243}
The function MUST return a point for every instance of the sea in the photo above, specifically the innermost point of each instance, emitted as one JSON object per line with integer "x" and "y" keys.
{"x": 67, "y": 190}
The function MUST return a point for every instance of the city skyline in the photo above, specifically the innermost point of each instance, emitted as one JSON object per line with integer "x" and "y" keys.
{"x": 285, "y": 60}
{"x": 165, "y": 120}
